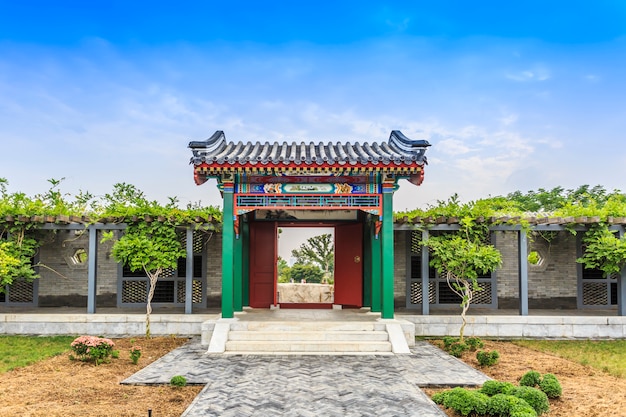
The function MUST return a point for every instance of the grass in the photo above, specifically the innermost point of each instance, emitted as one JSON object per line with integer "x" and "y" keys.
{"x": 20, "y": 351}
{"x": 606, "y": 355}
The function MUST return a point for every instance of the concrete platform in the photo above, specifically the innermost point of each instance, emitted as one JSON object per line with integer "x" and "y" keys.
{"x": 112, "y": 322}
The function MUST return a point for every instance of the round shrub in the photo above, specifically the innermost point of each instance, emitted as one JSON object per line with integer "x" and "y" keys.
{"x": 474, "y": 343}
{"x": 456, "y": 349}
{"x": 509, "y": 405}
{"x": 440, "y": 397}
{"x": 178, "y": 381}
{"x": 487, "y": 358}
{"x": 466, "y": 402}
{"x": 537, "y": 399}
{"x": 493, "y": 387}
{"x": 551, "y": 386}
{"x": 530, "y": 379}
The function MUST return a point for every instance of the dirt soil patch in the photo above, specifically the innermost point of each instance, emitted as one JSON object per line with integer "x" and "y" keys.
{"x": 587, "y": 392}
{"x": 61, "y": 387}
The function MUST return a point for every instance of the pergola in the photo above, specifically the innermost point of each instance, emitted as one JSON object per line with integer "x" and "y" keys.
{"x": 275, "y": 177}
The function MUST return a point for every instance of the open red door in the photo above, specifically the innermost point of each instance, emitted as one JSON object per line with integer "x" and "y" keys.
{"x": 349, "y": 265}
{"x": 263, "y": 251}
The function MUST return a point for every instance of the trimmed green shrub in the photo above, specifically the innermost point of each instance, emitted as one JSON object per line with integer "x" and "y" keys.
{"x": 509, "y": 405}
{"x": 440, "y": 397}
{"x": 536, "y": 398}
{"x": 448, "y": 340}
{"x": 493, "y": 387}
{"x": 530, "y": 379}
{"x": 474, "y": 343}
{"x": 465, "y": 401}
{"x": 487, "y": 358}
{"x": 456, "y": 349}
{"x": 178, "y": 381}
{"x": 551, "y": 386}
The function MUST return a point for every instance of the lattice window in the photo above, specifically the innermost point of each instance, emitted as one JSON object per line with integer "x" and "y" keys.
{"x": 196, "y": 295}
{"x": 595, "y": 293}
{"x": 416, "y": 293}
{"x": 164, "y": 292}
{"x": 20, "y": 291}
{"x": 134, "y": 291}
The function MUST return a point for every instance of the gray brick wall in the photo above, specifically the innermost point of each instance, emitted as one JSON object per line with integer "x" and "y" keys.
{"x": 62, "y": 282}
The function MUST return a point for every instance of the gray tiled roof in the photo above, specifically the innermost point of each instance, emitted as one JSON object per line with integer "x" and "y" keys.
{"x": 398, "y": 150}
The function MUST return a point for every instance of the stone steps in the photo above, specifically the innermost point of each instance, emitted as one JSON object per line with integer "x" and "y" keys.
{"x": 307, "y": 337}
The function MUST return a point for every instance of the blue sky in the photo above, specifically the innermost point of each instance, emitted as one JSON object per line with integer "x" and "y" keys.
{"x": 512, "y": 95}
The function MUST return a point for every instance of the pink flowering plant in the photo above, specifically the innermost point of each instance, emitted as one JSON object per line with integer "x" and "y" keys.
{"x": 92, "y": 349}
{"x": 135, "y": 354}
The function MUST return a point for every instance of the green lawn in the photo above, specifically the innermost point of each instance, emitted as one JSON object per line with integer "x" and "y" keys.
{"x": 19, "y": 351}
{"x": 606, "y": 355}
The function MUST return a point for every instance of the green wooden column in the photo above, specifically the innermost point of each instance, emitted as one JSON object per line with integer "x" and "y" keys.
{"x": 245, "y": 236}
{"x": 238, "y": 272}
{"x": 227, "y": 254}
{"x": 376, "y": 270}
{"x": 387, "y": 256}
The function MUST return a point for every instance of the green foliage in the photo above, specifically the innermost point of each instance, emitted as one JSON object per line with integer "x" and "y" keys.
{"x": 551, "y": 386}
{"x": 509, "y": 405}
{"x": 21, "y": 217}
{"x": 530, "y": 379}
{"x": 20, "y": 351}
{"x": 603, "y": 251}
{"x": 487, "y": 358}
{"x": 283, "y": 270}
{"x": 308, "y": 272}
{"x": 474, "y": 343}
{"x": 547, "y": 383}
{"x": 457, "y": 349}
{"x": 537, "y": 399}
{"x": 135, "y": 354}
{"x": 465, "y": 402}
{"x": 493, "y": 387}
{"x": 317, "y": 250}
{"x": 178, "y": 381}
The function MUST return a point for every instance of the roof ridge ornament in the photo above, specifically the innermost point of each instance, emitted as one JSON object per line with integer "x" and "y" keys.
{"x": 397, "y": 138}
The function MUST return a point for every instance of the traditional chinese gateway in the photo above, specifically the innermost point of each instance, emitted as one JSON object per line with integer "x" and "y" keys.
{"x": 345, "y": 186}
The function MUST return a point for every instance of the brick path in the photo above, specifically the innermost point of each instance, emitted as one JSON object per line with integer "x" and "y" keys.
{"x": 311, "y": 385}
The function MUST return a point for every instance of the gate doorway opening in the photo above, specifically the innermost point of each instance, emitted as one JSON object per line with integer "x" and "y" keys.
{"x": 306, "y": 266}
{"x": 305, "y": 269}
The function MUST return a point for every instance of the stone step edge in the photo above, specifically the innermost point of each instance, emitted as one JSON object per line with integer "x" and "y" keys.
{"x": 309, "y": 346}
{"x": 298, "y": 353}
{"x": 316, "y": 335}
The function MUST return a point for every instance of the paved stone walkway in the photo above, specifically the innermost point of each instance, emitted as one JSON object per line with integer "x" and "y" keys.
{"x": 311, "y": 385}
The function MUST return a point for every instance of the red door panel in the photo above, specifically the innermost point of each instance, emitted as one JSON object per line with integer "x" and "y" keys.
{"x": 263, "y": 249}
{"x": 349, "y": 265}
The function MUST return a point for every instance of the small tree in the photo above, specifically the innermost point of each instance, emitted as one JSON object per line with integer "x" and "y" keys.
{"x": 317, "y": 250}
{"x": 151, "y": 247}
{"x": 308, "y": 272}
{"x": 461, "y": 259}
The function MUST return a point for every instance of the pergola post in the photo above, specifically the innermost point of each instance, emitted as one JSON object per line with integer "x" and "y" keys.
{"x": 387, "y": 256}
{"x": 621, "y": 283}
{"x": 92, "y": 263}
{"x": 227, "y": 253}
{"x": 425, "y": 278}
{"x": 189, "y": 271}
{"x": 523, "y": 272}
